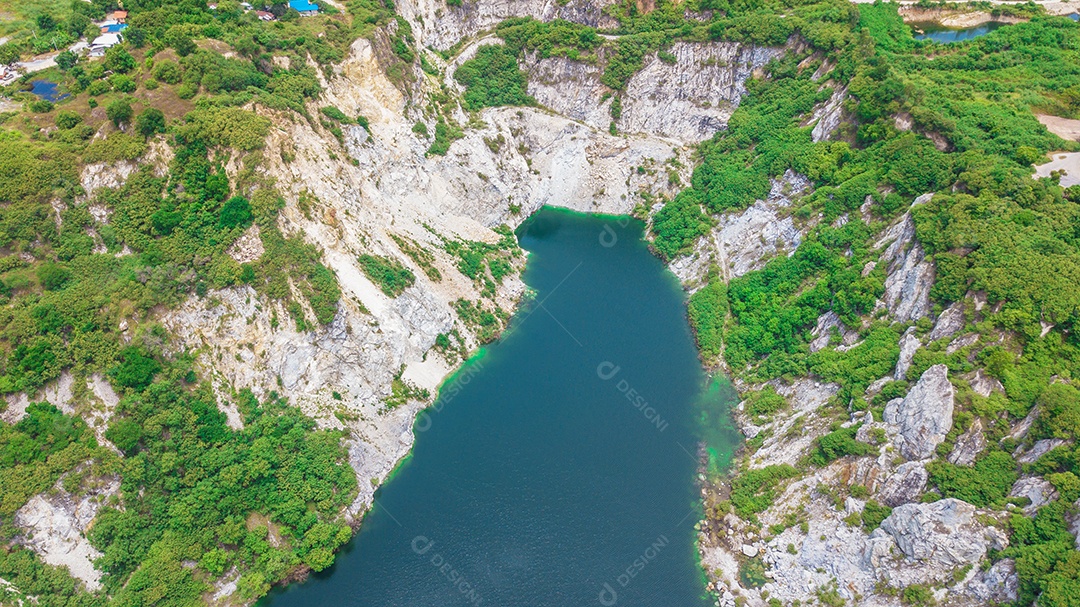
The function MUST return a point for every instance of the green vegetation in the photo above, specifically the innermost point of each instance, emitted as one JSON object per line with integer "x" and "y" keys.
{"x": 492, "y": 77}
{"x": 754, "y": 490}
{"x": 837, "y": 444}
{"x": 487, "y": 264}
{"x": 764, "y": 402}
{"x": 707, "y": 311}
{"x": 420, "y": 256}
{"x": 391, "y": 277}
{"x": 983, "y": 484}
{"x": 485, "y": 323}
{"x": 872, "y": 515}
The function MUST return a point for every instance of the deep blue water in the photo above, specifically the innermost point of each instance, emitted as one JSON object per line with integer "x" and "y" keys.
{"x": 945, "y": 35}
{"x": 560, "y": 468}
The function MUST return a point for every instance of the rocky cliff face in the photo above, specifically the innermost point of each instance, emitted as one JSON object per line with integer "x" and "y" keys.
{"x": 441, "y": 26}
{"x": 688, "y": 98}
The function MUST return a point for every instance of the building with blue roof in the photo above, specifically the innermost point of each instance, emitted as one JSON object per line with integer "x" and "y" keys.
{"x": 304, "y": 7}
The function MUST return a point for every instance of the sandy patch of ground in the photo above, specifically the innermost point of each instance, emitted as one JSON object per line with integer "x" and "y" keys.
{"x": 1066, "y": 128}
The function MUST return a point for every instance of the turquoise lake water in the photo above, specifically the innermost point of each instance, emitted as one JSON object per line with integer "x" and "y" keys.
{"x": 560, "y": 467}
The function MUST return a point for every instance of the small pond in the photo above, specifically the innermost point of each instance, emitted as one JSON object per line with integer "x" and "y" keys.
{"x": 47, "y": 90}
{"x": 944, "y": 35}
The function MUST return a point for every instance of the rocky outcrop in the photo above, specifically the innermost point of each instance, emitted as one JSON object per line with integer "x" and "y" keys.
{"x": 745, "y": 241}
{"x": 828, "y": 325}
{"x": 438, "y": 25}
{"x": 919, "y": 422}
{"x": 54, "y": 525}
{"x": 1039, "y": 449}
{"x": 909, "y": 275}
{"x": 1037, "y": 491}
{"x": 693, "y": 97}
{"x": 687, "y": 100}
{"x": 944, "y": 532}
{"x": 949, "y": 323}
{"x": 909, "y": 344}
{"x": 968, "y": 445}
{"x": 984, "y": 385}
{"x": 905, "y": 485}
{"x": 828, "y": 117}
{"x": 248, "y": 247}
{"x": 101, "y": 175}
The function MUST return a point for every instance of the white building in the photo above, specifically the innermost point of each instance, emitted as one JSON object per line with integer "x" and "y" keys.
{"x": 103, "y": 43}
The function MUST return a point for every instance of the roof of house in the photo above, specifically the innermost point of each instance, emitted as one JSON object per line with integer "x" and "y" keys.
{"x": 303, "y": 6}
{"x": 264, "y": 14}
{"x": 113, "y": 28}
{"x": 106, "y": 40}
{"x": 119, "y": 14}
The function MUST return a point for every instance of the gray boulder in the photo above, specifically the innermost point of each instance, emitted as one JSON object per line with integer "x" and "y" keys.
{"x": 944, "y": 532}
{"x": 919, "y": 422}
{"x": 998, "y": 584}
{"x": 950, "y": 322}
{"x": 909, "y": 273}
{"x": 905, "y": 485}
{"x": 968, "y": 445}
{"x": 908, "y": 345}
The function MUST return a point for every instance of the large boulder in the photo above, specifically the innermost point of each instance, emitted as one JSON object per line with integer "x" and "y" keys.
{"x": 905, "y": 485}
{"x": 945, "y": 532}
{"x": 919, "y": 422}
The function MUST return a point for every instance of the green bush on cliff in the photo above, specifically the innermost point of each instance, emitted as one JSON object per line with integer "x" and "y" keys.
{"x": 754, "y": 490}
{"x": 492, "y": 78}
{"x": 388, "y": 274}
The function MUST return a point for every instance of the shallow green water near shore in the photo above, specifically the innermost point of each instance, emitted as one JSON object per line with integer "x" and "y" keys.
{"x": 944, "y": 35}
{"x": 559, "y": 468}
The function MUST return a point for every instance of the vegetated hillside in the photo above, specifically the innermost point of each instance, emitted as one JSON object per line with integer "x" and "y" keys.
{"x": 169, "y": 232}
{"x": 914, "y": 355}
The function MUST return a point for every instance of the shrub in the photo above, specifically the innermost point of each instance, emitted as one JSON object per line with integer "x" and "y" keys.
{"x": 53, "y": 276}
{"x": 117, "y": 59}
{"x": 167, "y": 71}
{"x": 707, "y": 310}
{"x": 119, "y": 111}
{"x": 67, "y": 120}
{"x": 873, "y": 513}
{"x": 764, "y": 402}
{"x": 150, "y": 121}
{"x": 753, "y": 491}
{"x": 236, "y": 212}
{"x": 135, "y": 370}
{"x": 985, "y": 483}
{"x": 391, "y": 277}
{"x": 1059, "y": 412}
{"x": 837, "y": 444}
{"x": 123, "y": 83}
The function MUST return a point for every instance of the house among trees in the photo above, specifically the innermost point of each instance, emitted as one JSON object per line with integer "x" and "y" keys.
{"x": 118, "y": 16}
{"x": 103, "y": 42}
{"x": 304, "y": 7}
{"x": 264, "y": 15}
